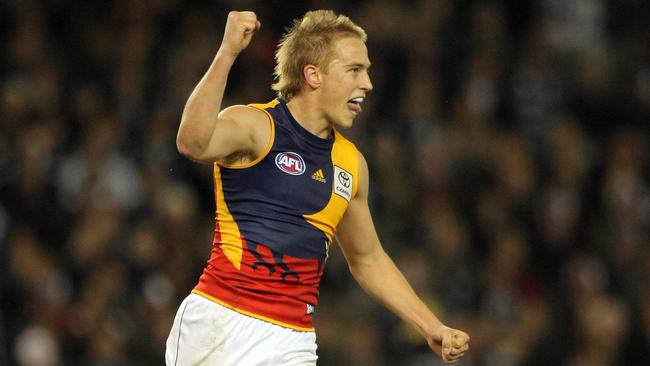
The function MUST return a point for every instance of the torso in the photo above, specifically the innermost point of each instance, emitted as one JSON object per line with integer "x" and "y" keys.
{"x": 276, "y": 216}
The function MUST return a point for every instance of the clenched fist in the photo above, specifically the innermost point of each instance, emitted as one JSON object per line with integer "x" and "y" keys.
{"x": 240, "y": 27}
{"x": 450, "y": 344}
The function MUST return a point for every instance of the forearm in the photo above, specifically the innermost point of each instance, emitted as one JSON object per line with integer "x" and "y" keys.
{"x": 381, "y": 279}
{"x": 379, "y": 276}
{"x": 203, "y": 106}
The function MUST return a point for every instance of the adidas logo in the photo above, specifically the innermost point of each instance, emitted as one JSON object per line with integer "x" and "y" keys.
{"x": 319, "y": 176}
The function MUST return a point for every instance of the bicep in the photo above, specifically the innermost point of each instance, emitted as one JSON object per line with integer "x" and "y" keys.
{"x": 236, "y": 130}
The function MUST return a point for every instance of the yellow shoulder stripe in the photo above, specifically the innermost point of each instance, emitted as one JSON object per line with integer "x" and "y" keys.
{"x": 346, "y": 156}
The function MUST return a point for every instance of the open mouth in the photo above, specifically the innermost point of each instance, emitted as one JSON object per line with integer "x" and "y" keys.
{"x": 355, "y": 104}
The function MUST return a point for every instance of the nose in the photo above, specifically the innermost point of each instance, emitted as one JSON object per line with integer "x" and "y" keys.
{"x": 366, "y": 84}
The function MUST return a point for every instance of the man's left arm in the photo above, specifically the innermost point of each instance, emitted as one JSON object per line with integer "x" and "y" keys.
{"x": 378, "y": 276}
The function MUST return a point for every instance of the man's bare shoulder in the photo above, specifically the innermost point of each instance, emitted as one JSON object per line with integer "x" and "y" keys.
{"x": 243, "y": 114}
{"x": 253, "y": 120}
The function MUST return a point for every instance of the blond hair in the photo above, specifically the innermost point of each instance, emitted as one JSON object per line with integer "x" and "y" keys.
{"x": 309, "y": 42}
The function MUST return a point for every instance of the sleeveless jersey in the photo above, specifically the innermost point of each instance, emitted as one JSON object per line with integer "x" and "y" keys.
{"x": 275, "y": 219}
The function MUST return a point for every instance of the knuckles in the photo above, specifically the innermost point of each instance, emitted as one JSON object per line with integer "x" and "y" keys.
{"x": 239, "y": 16}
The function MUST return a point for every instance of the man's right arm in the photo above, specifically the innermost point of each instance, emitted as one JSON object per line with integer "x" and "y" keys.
{"x": 205, "y": 134}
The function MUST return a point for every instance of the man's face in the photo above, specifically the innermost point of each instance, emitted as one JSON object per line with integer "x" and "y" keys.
{"x": 345, "y": 81}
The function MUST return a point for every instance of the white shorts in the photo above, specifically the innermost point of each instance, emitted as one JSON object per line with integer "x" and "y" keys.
{"x": 206, "y": 333}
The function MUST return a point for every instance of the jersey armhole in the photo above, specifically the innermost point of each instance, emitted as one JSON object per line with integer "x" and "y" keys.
{"x": 355, "y": 181}
{"x": 353, "y": 152}
{"x": 266, "y": 150}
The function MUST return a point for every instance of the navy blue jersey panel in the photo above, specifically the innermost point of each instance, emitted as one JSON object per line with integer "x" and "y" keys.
{"x": 269, "y": 199}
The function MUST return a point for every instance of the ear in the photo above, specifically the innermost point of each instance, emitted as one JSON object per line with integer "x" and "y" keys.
{"x": 312, "y": 76}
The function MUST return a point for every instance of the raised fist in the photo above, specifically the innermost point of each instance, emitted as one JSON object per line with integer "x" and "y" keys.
{"x": 240, "y": 27}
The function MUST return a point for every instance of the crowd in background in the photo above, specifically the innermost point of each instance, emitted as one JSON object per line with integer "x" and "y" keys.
{"x": 508, "y": 150}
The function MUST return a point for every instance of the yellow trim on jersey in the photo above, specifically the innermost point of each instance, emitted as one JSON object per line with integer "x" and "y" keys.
{"x": 253, "y": 315}
{"x": 231, "y": 240}
{"x": 261, "y": 107}
{"x": 264, "y": 106}
{"x": 346, "y": 156}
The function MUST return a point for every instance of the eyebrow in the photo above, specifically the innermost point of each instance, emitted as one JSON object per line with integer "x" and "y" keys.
{"x": 357, "y": 64}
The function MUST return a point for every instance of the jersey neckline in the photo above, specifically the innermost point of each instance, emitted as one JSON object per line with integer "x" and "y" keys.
{"x": 310, "y": 137}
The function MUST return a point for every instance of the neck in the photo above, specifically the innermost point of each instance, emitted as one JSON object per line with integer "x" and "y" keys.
{"x": 308, "y": 114}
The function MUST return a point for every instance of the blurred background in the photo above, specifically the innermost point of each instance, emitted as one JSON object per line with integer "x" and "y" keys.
{"x": 508, "y": 151}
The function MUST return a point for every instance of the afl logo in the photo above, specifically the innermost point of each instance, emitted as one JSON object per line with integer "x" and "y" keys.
{"x": 290, "y": 163}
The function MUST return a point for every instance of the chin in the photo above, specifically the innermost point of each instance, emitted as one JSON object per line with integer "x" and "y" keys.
{"x": 347, "y": 123}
